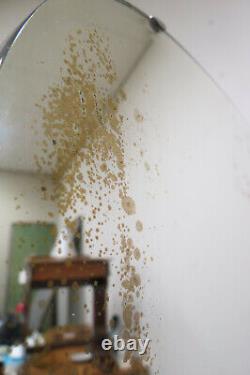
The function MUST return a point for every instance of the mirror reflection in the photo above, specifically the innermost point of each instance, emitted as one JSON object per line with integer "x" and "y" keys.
{"x": 70, "y": 261}
{"x": 124, "y": 188}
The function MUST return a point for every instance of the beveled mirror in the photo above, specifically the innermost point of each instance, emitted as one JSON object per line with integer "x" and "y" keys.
{"x": 121, "y": 169}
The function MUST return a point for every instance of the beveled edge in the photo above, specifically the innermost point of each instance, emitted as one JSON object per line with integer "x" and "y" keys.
{"x": 155, "y": 24}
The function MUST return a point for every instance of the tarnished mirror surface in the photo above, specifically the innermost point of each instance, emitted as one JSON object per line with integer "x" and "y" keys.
{"x": 124, "y": 174}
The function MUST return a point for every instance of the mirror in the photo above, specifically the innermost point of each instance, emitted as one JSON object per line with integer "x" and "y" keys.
{"x": 63, "y": 180}
{"x": 120, "y": 166}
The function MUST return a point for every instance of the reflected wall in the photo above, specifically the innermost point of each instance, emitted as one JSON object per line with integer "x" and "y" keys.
{"x": 148, "y": 152}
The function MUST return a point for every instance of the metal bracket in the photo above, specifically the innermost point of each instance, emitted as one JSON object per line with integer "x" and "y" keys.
{"x": 156, "y": 24}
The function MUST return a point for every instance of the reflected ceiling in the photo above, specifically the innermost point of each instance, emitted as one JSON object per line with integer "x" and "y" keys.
{"x": 35, "y": 59}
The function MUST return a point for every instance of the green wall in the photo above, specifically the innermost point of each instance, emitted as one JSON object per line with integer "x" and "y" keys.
{"x": 26, "y": 239}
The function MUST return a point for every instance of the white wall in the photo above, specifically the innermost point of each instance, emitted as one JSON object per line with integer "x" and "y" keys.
{"x": 196, "y": 215}
{"x": 21, "y": 201}
{"x": 216, "y": 34}
{"x": 192, "y": 196}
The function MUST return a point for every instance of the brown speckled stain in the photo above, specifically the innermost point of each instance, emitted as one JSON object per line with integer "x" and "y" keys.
{"x": 83, "y": 144}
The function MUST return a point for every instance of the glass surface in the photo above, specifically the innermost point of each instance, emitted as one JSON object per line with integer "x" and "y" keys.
{"x": 116, "y": 140}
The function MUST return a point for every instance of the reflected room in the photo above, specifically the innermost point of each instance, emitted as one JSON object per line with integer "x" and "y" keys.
{"x": 124, "y": 189}
{"x": 71, "y": 235}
